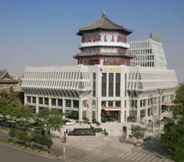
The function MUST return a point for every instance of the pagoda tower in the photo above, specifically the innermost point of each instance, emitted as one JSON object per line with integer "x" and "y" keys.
{"x": 103, "y": 42}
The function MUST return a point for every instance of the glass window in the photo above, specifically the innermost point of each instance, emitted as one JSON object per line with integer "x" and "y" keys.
{"x": 125, "y": 84}
{"x": 60, "y": 102}
{"x": 53, "y": 101}
{"x": 40, "y": 100}
{"x": 142, "y": 113}
{"x": 68, "y": 103}
{"x": 29, "y": 99}
{"x": 94, "y": 84}
{"x": 118, "y": 103}
{"x": 110, "y": 103}
{"x": 118, "y": 82}
{"x": 111, "y": 84}
{"x": 103, "y": 103}
{"x": 46, "y": 100}
{"x": 104, "y": 84}
{"x": 34, "y": 99}
{"x": 75, "y": 103}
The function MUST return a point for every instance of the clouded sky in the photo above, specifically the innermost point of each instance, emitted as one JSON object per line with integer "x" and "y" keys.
{"x": 43, "y": 32}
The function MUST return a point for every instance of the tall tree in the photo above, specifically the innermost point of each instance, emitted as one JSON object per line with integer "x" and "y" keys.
{"x": 173, "y": 136}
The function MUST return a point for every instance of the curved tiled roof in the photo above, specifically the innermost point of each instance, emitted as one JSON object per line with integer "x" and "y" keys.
{"x": 2, "y": 73}
{"x": 104, "y": 23}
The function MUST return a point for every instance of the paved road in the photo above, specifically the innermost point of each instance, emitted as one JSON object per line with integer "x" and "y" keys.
{"x": 84, "y": 149}
{"x": 9, "y": 154}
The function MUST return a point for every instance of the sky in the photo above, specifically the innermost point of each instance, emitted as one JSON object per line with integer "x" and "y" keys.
{"x": 43, "y": 32}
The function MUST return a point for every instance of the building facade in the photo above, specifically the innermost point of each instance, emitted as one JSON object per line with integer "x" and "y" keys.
{"x": 104, "y": 86}
{"x": 7, "y": 81}
{"x": 147, "y": 53}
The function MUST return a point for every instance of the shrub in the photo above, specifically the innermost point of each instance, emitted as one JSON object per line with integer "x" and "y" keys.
{"x": 12, "y": 132}
{"x": 98, "y": 130}
{"x": 40, "y": 137}
{"x": 137, "y": 131}
{"x": 82, "y": 132}
{"x": 105, "y": 132}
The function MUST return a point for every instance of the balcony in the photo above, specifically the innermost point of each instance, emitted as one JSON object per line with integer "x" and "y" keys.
{"x": 112, "y": 44}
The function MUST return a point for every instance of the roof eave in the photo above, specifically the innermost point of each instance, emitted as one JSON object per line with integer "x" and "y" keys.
{"x": 81, "y": 31}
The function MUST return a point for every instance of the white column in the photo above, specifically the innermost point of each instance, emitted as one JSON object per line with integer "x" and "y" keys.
{"x": 122, "y": 112}
{"x": 90, "y": 108}
{"x": 138, "y": 110}
{"x": 50, "y": 103}
{"x": 121, "y": 116}
{"x": 80, "y": 109}
{"x": 25, "y": 99}
{"x": 64, "y": 110}
{"x": 37, "y": 105}
{"x": 99, "y": 91}
{"x": 146, "y": 111}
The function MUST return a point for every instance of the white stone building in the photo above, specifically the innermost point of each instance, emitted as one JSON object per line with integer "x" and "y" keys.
{"x": 104, "y": 86}
{"x": 148, "y": 53}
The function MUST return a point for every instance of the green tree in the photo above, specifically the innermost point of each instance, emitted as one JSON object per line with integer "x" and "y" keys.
{"x": 27, "y": 128}
{"x": 173, "y": 136}
{"x": 53, "y": 119}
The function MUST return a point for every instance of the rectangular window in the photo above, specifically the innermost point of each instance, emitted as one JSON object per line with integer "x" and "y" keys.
{"x": 118, "y": 84}
{"x": 149, "y": 112}
{"x": 118, "y": 103}
{"x": 75, "y": 103}
{"x": 34, "y": 99}
{"x": 60, "y": 102}
{"x": 142, "y": 113}
{"x": 110, "y": 103}
{"x": 46, "y": 101}
{"x": 125, "y": 84}
{"x": 111, "y": 84}
{"x": 53, "y": 101}
{"x": 40, "y": 100}
{"x": 68, "y": 103}
{"x": 125, "y": 116}
{"x": 94, "y": 84}
{"x": 29, "y": 99}
{"x": 103, "y": 103}
{"x": 104, "y": 84}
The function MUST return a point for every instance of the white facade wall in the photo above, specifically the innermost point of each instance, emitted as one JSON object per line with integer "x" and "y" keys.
{"x": 138, "y": 88}
{"x": 148, "y": 53}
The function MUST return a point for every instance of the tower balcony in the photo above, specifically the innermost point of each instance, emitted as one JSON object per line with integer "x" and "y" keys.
{"x": 104, "y": 44}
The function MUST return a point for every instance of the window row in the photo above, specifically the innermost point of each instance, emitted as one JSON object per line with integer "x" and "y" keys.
{"x": 105, "y": 38}
{"x": 111, "y": 104}
{"x": 111, "y": 78}
{"x": 54, "y": 102}
{"x": 140, "y": 51}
